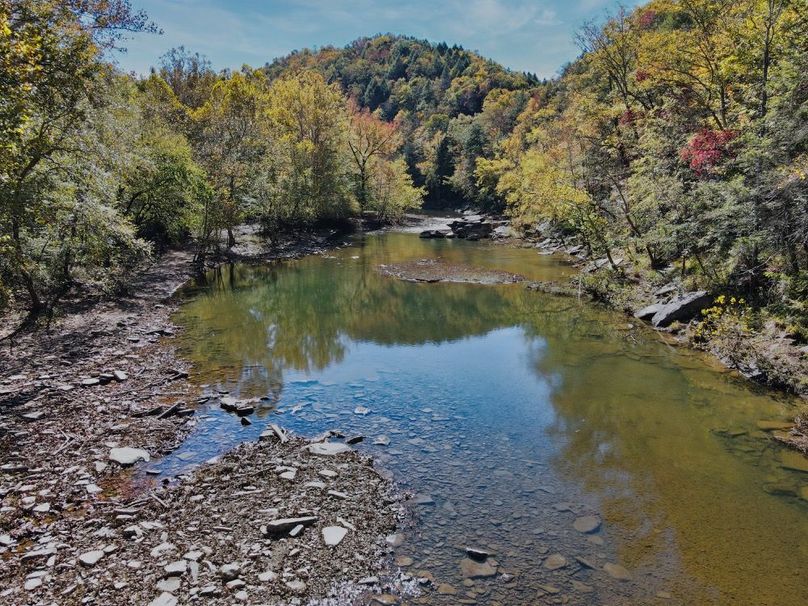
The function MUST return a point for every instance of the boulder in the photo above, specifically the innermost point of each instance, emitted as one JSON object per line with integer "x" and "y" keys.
{"x": 681, "y": 309}
{"x": 646, "y": 313}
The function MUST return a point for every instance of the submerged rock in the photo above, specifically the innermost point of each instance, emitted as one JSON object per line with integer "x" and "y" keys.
{"x": 555, "y": 561}
{"x": 476, "y": 570}
{"x": 616, "y": 571}
{"x": 587, "y": 524}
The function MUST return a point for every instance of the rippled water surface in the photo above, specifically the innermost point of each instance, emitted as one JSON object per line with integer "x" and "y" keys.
{"x": 510, "y": 414}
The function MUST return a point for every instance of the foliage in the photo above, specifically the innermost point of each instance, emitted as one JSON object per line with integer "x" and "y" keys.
{"x": 678, "y": 139}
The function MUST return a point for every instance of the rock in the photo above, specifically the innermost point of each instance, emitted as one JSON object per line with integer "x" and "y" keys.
{"x": 361, "y": 410}
{"x": 327, "y": 449}
{"x": 176, "y": 569}
{"x": 282, "y": 526}
{"x": 171, "y": 584}
{"x": 793, "y": 460}
{"x": 229, "y": 572}
{"x": 382, "y": 441}
{"x": 681, "y": 309}
{"x": 120, "y": 376}
{"x": 666, "y": 290}
{"x": 164, "y": 599}
{"x": 479, "y": 555}
{"x": 646, "y": 313}
{"x": 476, "y": 570}
{"x": 289, "y": 475}
{"x": 395, "y": 540}
{"x": 446, "y": 589}
{"x": 91, "y": 558}
{"x": 90, "y": 382}
{"x": 555, "y": 561}
{"x": 434, "y": 233}
{"x": 128, "y": 456}
{"x": 587, "y": 524}
{"x": 422, "y": 499}
{"x": 354, "y": 439}
{"x": 385, "y": 599}
{"x": 268, "y": 576}
{"x": 804, "y": 493}
{"x": 296, "y": 586}
{"x": 403, "y": 561}
{"x": 31, "y": 584}
{"x": 774, "y": 425}
{"x": 616, "y": 571}
{"x": 333, "y": 535}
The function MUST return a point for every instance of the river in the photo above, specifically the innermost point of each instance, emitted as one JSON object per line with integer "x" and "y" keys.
{"x": 511, "y": 414}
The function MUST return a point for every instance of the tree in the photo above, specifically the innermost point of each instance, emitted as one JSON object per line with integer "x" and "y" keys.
{"x": 306, "y": 176}
{"x": 49, "y": 81}
{"x": 231, "y": 144}
{"x": 369, "y": 139}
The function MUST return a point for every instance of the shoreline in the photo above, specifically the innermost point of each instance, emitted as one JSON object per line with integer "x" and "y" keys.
{"x": 105, "y": 381}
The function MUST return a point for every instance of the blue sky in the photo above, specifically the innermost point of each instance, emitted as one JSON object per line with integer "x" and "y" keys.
{"x": 529, "y": 35}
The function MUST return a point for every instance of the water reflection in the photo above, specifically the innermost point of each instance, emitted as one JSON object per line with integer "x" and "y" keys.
{"x": 515, "y": 412}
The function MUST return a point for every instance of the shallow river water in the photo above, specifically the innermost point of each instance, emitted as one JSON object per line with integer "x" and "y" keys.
{"x": 510, "y": 414}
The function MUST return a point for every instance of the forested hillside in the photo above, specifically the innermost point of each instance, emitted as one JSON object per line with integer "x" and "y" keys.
{"x": 676, "y": 142}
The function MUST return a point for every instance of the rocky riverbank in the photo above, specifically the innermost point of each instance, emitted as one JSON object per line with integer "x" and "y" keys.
{"x": 103, "y": 389}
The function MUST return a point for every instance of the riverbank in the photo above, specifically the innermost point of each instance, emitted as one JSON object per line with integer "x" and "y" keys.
{"x": 104, "y": 388}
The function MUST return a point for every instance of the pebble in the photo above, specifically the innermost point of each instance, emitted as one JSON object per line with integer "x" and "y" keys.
{"x": 228, "y": 572}
{"x": 616, "y": 571}
{"x": 555, "y": 561}
{"x": 333, "y": 535}
{"x": 91, "y": 558}
{"x": 296, "y": 586}
{"x": 587, "y": 524}
{"x": 128, "y": 456}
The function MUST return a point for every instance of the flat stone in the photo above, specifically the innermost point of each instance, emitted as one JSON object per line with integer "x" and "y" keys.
{"x": 90, "y": 382}
{"x": 587, "y": 524}
{"x": 681, "y": 309}
{"x": 120, "y": 375}
{"x": 395, "y": 540}
{"x": 382, "y": 441}
{"x": 446, "y": 589}
{"x": 403, "y": 561}
{"x": 476, "y": 570}
{"x": 766, "y": 425}
{"x": 328, "y": 449}
{"x": 333, "y": 535}
{"x": 616, "y": 571}
{"x": 282, "y": 526}
{"x": 289, "y": 475}
{"x": 171, "y": 584}
{"x": 361, "y": 410}
{"x": 91, "y": 558}
{"x": 128, "y": 456}
{"x": 555, "y": 561}
{"x": 793, "y": 460}
{"x": 386, "y": 599}
{"x": 31, "y": 584}
{"x": 164, "y": 599}
{"x": 176, "y": 569}
{"x": 268, "y": 576}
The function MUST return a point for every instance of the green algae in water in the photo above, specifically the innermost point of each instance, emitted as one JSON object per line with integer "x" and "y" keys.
{"x": 515, "y": 412}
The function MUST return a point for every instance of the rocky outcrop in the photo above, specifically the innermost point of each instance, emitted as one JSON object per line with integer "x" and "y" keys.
{"x": 680, "y": 309}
